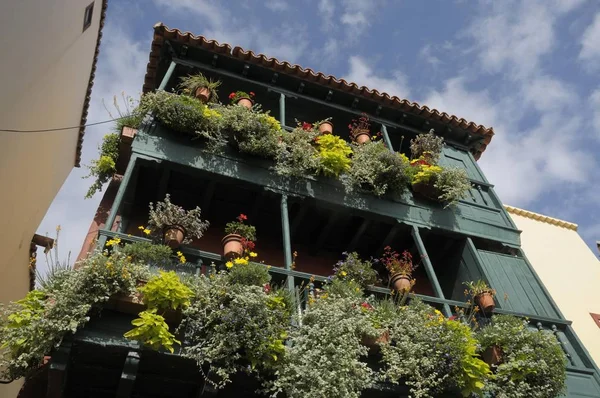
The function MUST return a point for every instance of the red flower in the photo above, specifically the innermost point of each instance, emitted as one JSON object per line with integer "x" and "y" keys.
{"x": 248, "y": 245}
{"x": 231, "y": 96}
{"x": 252, "y": 94}
{"x": 267, "y": 288}
{"x": 306, "y": 126}
{"x": 366, "y": 306}
{"x": 242, "y": 217}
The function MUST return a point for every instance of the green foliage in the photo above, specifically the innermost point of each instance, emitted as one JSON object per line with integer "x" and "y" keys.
{"x": 428, "y": 145}
{"x": 251, "y": 274}
{"x": 246, "y": 333}
{"x": 148, "y": 253}
{"x": 167, "y": 214}
{"x": 296, "y": 155}
{"x": 454, "y": 184}
{"x": 325, "y": 357}
{"x": 129, "y": 116}
{"x": 238, "y": 227}
{"x": 251, "y": 131}
{"x": 334, "y": 155}
{"x": 60, "y": 307}
{"x": 152, "y": 330}
{"x": 104, "y": 167}
{"x": 166, "y": 291}
{"x": 189, "y": 85}
{"x": 238, "y": 95}
{"x": 478, "y": 287}
{"x": 181, "y": 113}
{"x": 533, "y": 363}
{"x": 376, "y": 169}
{"x": 352, "y": 268}
{"x": 343, "y": 288}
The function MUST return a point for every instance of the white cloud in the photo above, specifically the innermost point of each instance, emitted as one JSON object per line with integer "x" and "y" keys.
{"x": 590, "y": 45}
{"x": 426, "y": 53}
{"x": 546, "y": 93}
{"x": 356, "y": 15}
{"x": 594, "y": 102}
{"x": 277, "y": 5}
{"x": 326, "y": 10}
{"x": 363, "y": 74}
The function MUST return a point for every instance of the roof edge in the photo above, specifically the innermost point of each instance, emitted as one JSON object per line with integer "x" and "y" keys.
{"x": 88, "y": 94}
{"x": 541, "y": 217}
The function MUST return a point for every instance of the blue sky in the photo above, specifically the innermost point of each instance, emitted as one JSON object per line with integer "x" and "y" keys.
{"x": 528, "y": 68}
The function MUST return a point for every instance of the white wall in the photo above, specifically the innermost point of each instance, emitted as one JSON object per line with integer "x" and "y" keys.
{"x": 569, "y": 270}
{"x": 44, "y": 73}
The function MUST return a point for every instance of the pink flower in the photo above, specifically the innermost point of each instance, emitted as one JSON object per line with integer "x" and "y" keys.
{"x": 267, "y": 288}
{"x": 306, "y": 126}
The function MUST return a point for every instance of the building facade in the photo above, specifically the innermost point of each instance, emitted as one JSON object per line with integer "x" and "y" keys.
{"x": 567, "y": 267}
{"x": 304, "y": 222}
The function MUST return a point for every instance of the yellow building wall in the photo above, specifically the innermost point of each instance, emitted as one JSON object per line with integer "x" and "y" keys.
{"x": 46, "y": 65}
{"x": 567, "y": 267}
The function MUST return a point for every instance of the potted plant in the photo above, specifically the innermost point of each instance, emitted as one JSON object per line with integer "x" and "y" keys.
{"x": 242, "y": 98}
{"x": 482, "y": 294}
{"x": 325, "y": 126}
{"x": 360, "y": 129}
{"x": 447, "y": 185}
{"x": 201, "y": 87}
{"x": 381, "y": 314}
{"x": 528, "y": 362}
{"x": 428, "y": 146}
{"x": 178, "y": 226}
{"x": 400, "y": 268}
{"x": 352, "y": 268}
{"x": 238, "y": 235}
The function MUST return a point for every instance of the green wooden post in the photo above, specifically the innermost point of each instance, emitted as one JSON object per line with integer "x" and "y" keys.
{"x": 282, "y": 109}
{"x": 119, "y": 198}
{"x": 287, "y": 242}
{"x": 429, "y": 269}
{"x": 167, "y": 76}
{"x": 386, "y": 137}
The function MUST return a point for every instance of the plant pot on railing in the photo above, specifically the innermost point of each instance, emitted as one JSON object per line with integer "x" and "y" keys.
{"x": 174, "y": 236}
{"x": 492, "y": 355}
{"x": 401, "y": 282}
{"x": 427, "y": 190}
{"x": 203, "y": 94}
{"x": 245, "y": 102}
{"x": 326, "y": 128}
{"x": 232, "y": 246}
{"x": 485, "y": 301}
{"x": 373, "y": 342}
{"x": 361, "y": 136}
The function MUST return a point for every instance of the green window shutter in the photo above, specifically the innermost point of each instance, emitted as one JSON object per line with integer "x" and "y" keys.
{"x": 454, "y": 157}
{"x": 511, "y": 276}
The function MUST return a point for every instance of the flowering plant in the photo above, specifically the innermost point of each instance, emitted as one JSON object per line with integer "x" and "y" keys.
{"x": 477, "y": 288}
{"x": 167, "y": 214}
{"x": 352, "y": 268}
{"x": 246, "y": 231}
{"x": 398, "y": 264}
{"x": 428, "y": 145}
{"x": 359, "y": 125}
{"x": 238, "y": 95}
{"x": 189, "y": 85}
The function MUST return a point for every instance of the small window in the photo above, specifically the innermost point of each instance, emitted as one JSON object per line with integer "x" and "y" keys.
{"x": 87, "y": 17}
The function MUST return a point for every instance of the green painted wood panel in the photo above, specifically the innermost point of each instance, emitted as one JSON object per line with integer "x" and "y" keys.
{"x": 582, "y": 384}
{"x": 511, "y": 276}
{"x": 455, "y": 157}
{"x": 470, "y": 220}
{"x": 468, "y": 271}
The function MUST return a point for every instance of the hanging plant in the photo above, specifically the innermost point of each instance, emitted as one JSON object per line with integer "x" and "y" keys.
{"x": 201, "y": 87}
{"x": 360, "y": 129}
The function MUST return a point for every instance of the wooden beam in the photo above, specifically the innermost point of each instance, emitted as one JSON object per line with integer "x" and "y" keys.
{"x": 128, "y": 375}
{"x": 359, "y": 233}
{"x": 57, "y": 372}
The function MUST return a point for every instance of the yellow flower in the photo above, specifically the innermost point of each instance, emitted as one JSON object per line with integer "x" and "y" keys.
{"x": 141, "y": 227}
{"x": 240, "y": 261}
{"x": 128, "y": 258}
{"x": 343, "y": 273}
{"x": 179, "y": 254}
{"x": 113, "y": 242}
{"x": 438, "y": 312}
{"x": 229, "y": 264}
{"x": 146, "y": 231}
{"x": 252, "y": 254}
{"x": 182, "y": 259}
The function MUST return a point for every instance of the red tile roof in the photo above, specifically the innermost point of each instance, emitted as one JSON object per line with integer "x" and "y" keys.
{"x": 163, "y": 33}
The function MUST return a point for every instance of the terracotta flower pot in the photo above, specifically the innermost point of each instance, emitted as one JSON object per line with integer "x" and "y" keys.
{"x": 202, "y": 93}
{"x": 174, "y": 236}
{"x": 427, "y": 190}
{"x": 492, "y": 355}
{"x": 362, "y": 136}
{"x": 232, "y": 246}
{"x": 326, "y": 128}
{"x": 485, "y": 301}
{"x": 372, "y": 342}
{"x": 401, "y": 283}
{"x": 245, "y": 102}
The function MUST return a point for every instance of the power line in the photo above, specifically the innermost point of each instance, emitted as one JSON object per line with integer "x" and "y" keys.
{"x": 59, "y": 128}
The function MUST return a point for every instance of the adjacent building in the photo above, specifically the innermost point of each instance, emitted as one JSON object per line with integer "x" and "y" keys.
{"x": 568, "y": 268}
{"x": 49, "y": 51}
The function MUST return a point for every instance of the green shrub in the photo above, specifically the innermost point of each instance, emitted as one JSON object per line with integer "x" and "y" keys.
{"x": 376, "y": 169}
{"x": 152, "y": 330}
{"x": 296, "y": 155}
{"x": 104, "y": 167}
{"x": 148, "y": 253}
{"x": 334, "y": 155}
{"x": 166, "y": 291}
{"x": 251, "y": 274}
{"x": 352, "y": 268}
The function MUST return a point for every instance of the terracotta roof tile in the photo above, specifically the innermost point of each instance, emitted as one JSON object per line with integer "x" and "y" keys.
{"x": 162, "y": 33}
